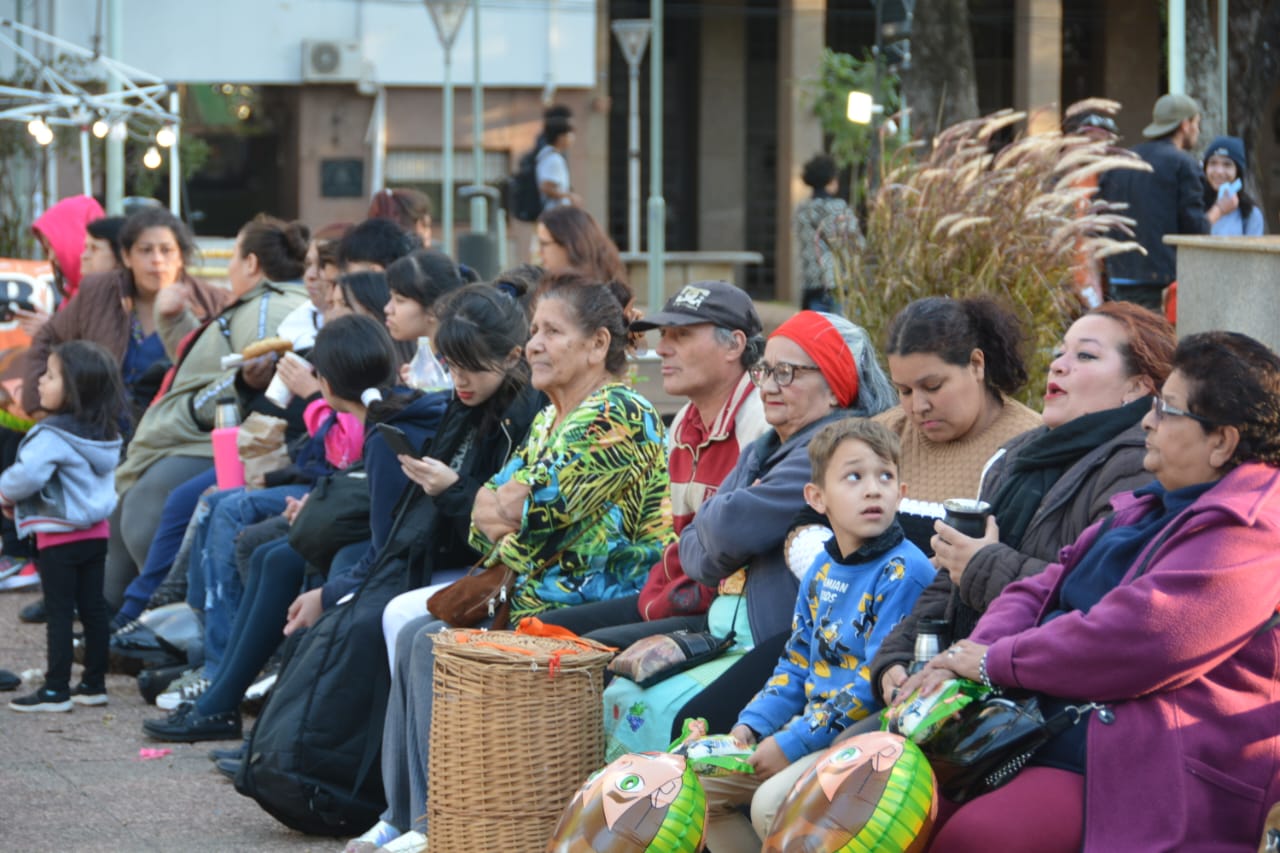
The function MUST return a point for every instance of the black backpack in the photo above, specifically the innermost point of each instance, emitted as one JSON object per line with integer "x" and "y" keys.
{"x": 526, "y": 198}
{"x": 312, "y": 759}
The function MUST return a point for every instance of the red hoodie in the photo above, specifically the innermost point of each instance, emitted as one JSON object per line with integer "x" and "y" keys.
{"x": 63, "y": 227}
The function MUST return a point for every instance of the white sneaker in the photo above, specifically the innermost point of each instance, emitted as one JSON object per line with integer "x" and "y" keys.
{"x": 260, "y": 688}
{"x": 410, "y": 842}
{"x": 190, "y": 687}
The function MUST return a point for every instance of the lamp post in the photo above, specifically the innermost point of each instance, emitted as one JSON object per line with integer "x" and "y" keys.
{"x": 657, "y": 205}
{"x": 479, "y": 204}
{"x": 447, "y": 16}
{"x": 633, "y": 38}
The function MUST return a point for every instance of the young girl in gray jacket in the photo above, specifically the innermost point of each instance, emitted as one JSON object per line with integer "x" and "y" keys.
{"x": 61, "y": 488}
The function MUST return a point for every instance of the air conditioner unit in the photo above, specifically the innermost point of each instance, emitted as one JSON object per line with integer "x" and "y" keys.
{"x": 330, "y": 61}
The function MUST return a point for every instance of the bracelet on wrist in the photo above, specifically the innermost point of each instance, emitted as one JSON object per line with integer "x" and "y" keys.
{"x": 983, "y": 676}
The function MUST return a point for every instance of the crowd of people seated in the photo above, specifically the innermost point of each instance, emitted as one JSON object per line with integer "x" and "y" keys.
{"x": 437, "y": 422}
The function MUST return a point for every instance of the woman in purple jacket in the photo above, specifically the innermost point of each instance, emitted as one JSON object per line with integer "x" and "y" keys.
{"x": 1164, "y": 616}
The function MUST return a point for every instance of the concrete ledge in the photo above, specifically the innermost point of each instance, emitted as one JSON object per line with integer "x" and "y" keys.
{"x": 1229, "y": 283}
{"x": 682, "y": 268}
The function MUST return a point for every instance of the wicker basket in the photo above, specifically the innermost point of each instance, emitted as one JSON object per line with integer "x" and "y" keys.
{"x": 516, "y": 727}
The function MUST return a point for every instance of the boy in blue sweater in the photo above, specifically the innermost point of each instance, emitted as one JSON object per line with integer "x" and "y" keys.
{"x": 850, "y": 599}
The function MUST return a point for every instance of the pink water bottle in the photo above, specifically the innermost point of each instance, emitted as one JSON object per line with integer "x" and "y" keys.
{"x": 226, "y": 455}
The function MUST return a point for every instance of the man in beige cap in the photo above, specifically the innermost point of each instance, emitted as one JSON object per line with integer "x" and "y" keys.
{"x": 1167, "y": 200}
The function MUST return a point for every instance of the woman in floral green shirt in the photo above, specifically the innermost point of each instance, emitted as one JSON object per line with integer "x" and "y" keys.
{"x": 580, "y": 509}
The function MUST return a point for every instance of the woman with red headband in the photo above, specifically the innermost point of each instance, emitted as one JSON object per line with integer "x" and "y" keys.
{"x": 816, "y": 368}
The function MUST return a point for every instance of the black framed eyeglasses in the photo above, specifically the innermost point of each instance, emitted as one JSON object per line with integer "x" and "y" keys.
{"x": 1163, "y": 410}
{"x": 783, "y": 373}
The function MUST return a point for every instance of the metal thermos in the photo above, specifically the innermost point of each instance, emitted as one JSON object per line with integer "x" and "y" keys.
{"x": 930, "y": 634}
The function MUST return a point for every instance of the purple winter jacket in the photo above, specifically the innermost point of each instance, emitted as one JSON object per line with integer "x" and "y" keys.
{"x": 1192, "y": 759}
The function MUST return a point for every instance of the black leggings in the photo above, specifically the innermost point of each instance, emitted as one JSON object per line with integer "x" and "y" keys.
{"x": 723, "y": 699}
{"x": 72, "y": 575}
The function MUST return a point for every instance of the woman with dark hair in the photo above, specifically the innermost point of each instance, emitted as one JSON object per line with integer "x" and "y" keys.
{"x": 1228, "y": 206}
{"x": 482, "y": 336}
{"x": 171, "y": 444}
{"x": 955, "y": 362}
{"x": 102, "y": 246}
{"x": 417, "y": 282}
{"x": 570, "y": 239}
{"x": 408, "y": 208}
{"x": 822, "y": 224}
{"x": 1050, "y": 483}
{"x": 577, "y": 512}
{"x": 117, "y": 309}
{"x": 1159, "y": 625}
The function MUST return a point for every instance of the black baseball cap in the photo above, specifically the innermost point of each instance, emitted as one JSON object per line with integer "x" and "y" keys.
{"x": 717, "y": 302}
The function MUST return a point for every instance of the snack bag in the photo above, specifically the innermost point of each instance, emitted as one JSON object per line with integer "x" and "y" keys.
{"x": 920, "y": 717}
{"x": 711, "y": 755}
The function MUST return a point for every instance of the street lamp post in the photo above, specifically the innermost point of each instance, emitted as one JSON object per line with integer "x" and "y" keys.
{"x": 479, "y": 204}
{"x": 633, "y": 38}
{"x": 657, "y": 205}
{"x": 447, "y": 16}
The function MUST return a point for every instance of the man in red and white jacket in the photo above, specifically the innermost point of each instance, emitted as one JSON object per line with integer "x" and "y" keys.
{"x": 709, "y": 334}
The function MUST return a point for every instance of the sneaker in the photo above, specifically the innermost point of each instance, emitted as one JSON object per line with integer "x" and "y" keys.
{"x": 10, "y": 566}
{"x": 231, "y": 753}
{"x": 43, "y": 700}
{"x": 410, "y": 842}
{"x": 34, "y": 613}
{"x": 24, "y": 578}
{"x": 187, "y": 725}
{"x": 9, "y": 681}
{"x": 190, "y": 687}
{"x": 83, "y": 694}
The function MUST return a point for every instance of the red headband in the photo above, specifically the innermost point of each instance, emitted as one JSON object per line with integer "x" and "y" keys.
{"x": 823, "y": 343}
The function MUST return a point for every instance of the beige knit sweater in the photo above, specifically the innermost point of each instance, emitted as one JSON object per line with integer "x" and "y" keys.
{"x": 934, "y": 472}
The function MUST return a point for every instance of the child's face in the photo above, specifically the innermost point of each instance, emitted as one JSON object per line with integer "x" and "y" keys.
{"x": 859, "y": 493}
{"x": 50, "y": 386}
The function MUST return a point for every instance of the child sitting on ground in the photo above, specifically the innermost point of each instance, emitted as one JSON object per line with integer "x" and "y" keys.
{"x": 62, "y": 488}
{"x": 850, "y": 599}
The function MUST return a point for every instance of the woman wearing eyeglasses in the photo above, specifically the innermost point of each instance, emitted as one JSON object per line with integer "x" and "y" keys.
{"x": 1164, "y": 615}
{"x": 816, "y": 368}
{"x": 956, "y": 363}
{"x": 1050, "y": 483}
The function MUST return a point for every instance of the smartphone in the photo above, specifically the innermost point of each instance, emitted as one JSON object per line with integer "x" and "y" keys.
{"x": 397, "y": 441}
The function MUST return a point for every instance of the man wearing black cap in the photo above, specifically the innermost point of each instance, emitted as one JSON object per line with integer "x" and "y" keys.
{"x": 709, "y": 334}
{"x": 1167, "y": 200}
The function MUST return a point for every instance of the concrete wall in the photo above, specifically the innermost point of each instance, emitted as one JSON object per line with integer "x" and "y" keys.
{"x": 1230, "y": 283}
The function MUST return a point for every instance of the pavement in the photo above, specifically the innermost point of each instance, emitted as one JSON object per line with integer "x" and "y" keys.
{"x": 75, "y": 781}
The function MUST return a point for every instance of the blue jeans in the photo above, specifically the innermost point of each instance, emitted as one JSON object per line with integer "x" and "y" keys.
{"x": 178, "y": 508}
{"x": 215, "y": 579}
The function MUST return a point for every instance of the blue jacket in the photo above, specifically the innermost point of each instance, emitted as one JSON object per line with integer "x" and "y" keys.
{"x": 419, "y": 420}
{"x": 61, "y": 481}
{"x": 847, "y": 606}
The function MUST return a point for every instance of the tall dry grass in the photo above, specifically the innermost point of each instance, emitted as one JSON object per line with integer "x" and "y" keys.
{"x": 964, "y": 221}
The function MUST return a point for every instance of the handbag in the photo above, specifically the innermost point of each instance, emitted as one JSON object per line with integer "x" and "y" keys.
{"x": 651, "y": 660}
{"x": 991, "y": 740}
{"x": 335, "y": 515}
{"x": 479, "y": 594}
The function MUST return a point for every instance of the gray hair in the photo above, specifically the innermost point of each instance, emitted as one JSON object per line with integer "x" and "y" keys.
{"x": 751, "y": 353}
{"x": 875, "y": 392}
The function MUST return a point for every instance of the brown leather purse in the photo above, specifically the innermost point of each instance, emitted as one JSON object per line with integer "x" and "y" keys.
{"x": 478, "y": 595}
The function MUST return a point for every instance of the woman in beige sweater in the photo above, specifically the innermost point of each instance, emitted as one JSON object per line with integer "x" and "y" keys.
{"x": 955, "y": 363}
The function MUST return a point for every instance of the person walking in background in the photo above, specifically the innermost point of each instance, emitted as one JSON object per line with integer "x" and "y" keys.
{"x": 1169, "y": 199}
{"x": 1230, "y": 209}
{"x": 553, "y": 166}
{"x": 61, "y": 488}
{"x": 822, "y": 224}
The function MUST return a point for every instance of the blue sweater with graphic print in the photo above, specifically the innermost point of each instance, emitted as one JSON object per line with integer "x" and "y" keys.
{"x": 846, "y": 607}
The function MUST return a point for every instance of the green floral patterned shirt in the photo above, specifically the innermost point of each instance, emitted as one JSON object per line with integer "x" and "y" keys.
{"x": 598, "y": 514}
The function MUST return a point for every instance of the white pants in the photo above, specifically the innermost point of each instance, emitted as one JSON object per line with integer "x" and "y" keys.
{"x": 407, "y": 606}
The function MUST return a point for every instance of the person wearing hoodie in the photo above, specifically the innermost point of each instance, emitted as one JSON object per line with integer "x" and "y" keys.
{"x": 60, "y": 490}
{"x": 1229, "y": 208}
{"x": 61, "y": 231}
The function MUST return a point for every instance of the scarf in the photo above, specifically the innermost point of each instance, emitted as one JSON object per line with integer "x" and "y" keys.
{"x": 1044, "y": 459}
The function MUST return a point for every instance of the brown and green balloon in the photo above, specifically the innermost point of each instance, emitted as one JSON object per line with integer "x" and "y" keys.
{"x": 646, "y": 802}
{"x": 874, "y": 792}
